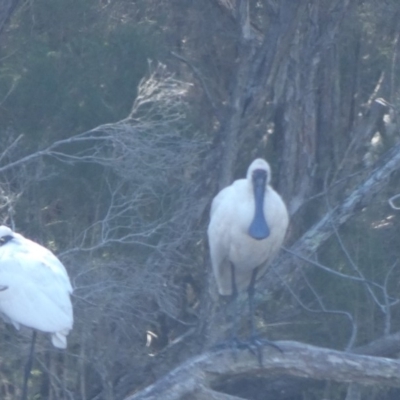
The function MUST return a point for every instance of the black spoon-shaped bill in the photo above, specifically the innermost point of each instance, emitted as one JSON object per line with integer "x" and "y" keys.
{"x": 259, "y": 229}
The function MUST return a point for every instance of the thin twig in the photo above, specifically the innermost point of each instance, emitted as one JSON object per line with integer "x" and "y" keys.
{"x": 202, "y": 81}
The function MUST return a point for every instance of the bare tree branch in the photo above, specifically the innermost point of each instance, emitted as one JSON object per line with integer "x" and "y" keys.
{"x": 322, "y": 309}
{"x": 360, "y": 197}
{"x": 391, "y": 202}
{"x": 297, "y": 359}
{"x": 202, "y": 81}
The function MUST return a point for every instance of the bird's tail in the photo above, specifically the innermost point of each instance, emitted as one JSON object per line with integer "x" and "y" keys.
{"x": 59, "y": 339}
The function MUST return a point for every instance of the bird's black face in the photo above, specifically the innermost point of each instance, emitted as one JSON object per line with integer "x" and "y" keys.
{"x": 259, "y": 178}
{"x": 5, "y": 239}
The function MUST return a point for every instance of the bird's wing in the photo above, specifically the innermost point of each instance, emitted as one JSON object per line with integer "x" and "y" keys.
{"x": 35, "y": 297}
{"x": 50, "y": 263}
{"x": 220, "y": 199}
{"x": 38, "y": 287}
{"x": 219, "y": 238}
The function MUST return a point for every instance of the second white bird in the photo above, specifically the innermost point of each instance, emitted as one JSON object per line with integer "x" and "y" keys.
{"x": 34, "y": 287}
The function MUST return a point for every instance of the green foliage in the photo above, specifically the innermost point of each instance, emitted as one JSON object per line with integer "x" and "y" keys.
{"x": 69, "y": 67}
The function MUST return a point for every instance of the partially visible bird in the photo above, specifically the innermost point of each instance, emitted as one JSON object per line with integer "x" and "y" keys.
{"x": 248, "y": 223}
{"x": 34, "y": 289}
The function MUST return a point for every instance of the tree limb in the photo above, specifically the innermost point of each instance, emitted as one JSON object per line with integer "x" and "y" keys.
{"x": 299, "y": 360}
{"x": 360, "y": 197}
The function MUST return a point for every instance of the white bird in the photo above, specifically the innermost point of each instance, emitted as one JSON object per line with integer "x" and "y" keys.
{"x": 248, "y": 223}
{"x": 34, "y": 287}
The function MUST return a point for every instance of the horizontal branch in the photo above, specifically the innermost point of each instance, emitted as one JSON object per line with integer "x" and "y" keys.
{"x": 298, "y": 360}
{"x": 51, "y": 150}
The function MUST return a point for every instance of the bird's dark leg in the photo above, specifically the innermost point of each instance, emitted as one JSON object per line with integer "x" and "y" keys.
{"x": 28, "y": 367}
{"x": 250, "y": 293}
{"x": 235, "y": 302}
{"x": 234, "y": 341}
{"x": 254, "y": 339}
{"x": 253, "y": 336}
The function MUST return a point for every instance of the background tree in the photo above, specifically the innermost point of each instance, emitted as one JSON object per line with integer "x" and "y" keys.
{"x": 121, "y": 193}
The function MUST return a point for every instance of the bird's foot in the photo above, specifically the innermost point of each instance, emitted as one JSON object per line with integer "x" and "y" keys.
{"x": 259, "y": 341}
{"x": 255, "y": 345}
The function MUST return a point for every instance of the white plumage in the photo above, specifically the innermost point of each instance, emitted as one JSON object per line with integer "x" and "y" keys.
{"x": 247, "y": 227}
{"x": 34, "y": 287}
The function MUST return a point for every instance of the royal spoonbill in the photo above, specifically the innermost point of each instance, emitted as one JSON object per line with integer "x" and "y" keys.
{"x": 248, "y": 223}
{"x": 34, "y": 290}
